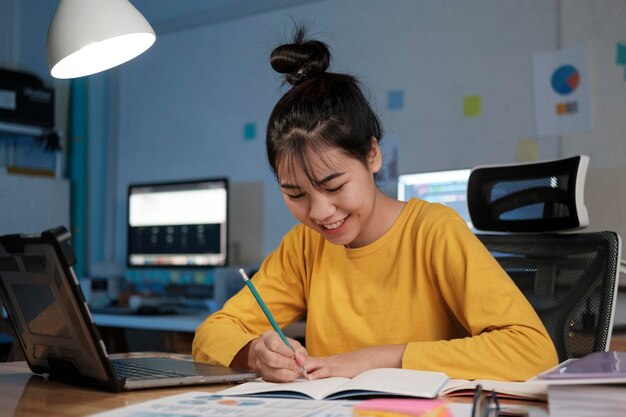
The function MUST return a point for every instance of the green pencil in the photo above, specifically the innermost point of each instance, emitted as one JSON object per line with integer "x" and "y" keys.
{"x": 269, "y": 316}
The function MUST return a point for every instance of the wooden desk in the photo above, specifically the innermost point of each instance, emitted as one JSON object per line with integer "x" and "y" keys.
{"x": 24, "y": 394}
{"x": 618, "y": 339}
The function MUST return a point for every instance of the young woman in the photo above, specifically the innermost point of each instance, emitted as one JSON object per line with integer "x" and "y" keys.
{"x": 382, "y": 283}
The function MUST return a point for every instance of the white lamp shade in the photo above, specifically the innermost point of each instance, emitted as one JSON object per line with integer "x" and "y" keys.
{"x": 89, "y": 36}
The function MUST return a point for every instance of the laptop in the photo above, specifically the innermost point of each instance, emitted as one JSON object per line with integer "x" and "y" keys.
{"x": 56, "y": 330}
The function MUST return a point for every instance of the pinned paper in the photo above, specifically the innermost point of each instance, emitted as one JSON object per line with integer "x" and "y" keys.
{"x": 562, "y": 91}
{"x": 471, "y": 106}
{"x": 526, "y": 150}
{"x": 395, "y": 100}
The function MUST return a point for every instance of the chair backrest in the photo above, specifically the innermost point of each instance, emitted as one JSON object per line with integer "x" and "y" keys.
{"x": 569, "y": 279}
{"x": 529, "y": 197}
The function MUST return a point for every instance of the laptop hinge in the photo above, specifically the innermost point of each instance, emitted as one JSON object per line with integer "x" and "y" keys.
{"x": 66, "y": 370}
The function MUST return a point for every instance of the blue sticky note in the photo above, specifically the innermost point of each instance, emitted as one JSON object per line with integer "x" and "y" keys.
{"x": 249, "y": 131}
{"x": 620, "y": 53}
{"x": 395, "y": 100}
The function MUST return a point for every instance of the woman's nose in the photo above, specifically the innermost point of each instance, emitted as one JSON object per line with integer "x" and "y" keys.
{"x": 322, "y": 208}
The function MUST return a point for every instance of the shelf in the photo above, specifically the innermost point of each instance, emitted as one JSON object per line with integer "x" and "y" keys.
{"x": 17, "y": 155}
{"x": 21, "y": 129}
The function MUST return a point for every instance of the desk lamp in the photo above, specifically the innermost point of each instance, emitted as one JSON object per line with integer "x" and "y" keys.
{"x": 89, "y": 36}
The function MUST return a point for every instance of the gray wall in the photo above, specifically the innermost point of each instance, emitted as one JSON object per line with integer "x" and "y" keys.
{"x": 178, "y": 111}
{"x": 188, "y": 98}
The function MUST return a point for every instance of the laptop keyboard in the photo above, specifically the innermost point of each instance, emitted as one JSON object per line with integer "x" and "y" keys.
{"x": 133, "y": 371}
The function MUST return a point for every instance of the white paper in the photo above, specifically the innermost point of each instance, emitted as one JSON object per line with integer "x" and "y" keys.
{"x": 548, "y": 96}
{"x": 206, "y": 404}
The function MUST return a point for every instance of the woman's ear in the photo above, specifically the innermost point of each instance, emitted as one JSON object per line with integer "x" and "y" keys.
{"x": 375, "y": 157}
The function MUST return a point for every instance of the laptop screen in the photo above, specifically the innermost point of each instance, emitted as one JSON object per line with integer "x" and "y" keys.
{"x": 56, "y": 329}
{"x": 47, "y": 308}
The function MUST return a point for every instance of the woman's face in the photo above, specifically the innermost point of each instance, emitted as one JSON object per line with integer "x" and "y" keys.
{"x": 341, "y": 205}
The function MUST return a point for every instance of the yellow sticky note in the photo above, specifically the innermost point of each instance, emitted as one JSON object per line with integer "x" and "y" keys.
{"x": 471, "y": 106}
{"x": 526, "y": 150}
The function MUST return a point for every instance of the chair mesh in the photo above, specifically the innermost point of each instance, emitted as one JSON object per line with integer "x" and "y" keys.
{"x": 536, "y": 197}
{"x": 570, "y": 281}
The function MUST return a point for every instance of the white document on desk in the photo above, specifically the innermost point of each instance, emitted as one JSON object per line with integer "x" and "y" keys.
{"x": 206, "y": 404}
{"x": 200, "y": 404}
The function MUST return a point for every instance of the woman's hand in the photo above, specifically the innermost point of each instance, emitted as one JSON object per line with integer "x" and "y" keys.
{"x": 351, "y": 364}
{"x": 273, "y": 359}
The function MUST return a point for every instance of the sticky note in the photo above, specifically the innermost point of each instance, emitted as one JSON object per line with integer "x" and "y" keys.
{"x": 471, "y": 106}
{"x": 620, "y": 53}
{"x": 249, "y": 131}
{"x": 395, "y": 100}
{"x": 526, "y": 150}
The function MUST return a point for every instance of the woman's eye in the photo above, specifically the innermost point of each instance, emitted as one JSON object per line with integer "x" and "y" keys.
{"x": 334, "y": 190}
{"x": 295, "y": 196}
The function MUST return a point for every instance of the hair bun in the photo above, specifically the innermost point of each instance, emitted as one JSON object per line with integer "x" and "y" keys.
{"x": 301, "y": 59}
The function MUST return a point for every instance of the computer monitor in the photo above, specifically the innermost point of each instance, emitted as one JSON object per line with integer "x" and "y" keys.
{"x": 445, "y": 187}
{"x": 178, "y": 224}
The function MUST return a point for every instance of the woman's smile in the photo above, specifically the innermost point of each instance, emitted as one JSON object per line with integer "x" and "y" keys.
{"x": 335, "y": 227}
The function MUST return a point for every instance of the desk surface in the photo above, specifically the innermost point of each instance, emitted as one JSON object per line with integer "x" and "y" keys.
{"x": 25, "y": 394}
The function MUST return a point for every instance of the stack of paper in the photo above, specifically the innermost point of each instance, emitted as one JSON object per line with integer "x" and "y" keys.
{"x": 594, "y": 385}
{"x": 587, "y": 400}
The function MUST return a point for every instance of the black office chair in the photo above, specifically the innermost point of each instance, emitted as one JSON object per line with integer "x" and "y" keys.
{"x": 569, "y": 278}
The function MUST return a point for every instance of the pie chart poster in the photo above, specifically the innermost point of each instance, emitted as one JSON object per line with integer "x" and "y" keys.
{"x": 562, "y": 91}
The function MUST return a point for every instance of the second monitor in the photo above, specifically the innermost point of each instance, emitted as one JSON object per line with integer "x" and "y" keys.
{"x": 178, "y": 224}
{"x": 444, "y": 187}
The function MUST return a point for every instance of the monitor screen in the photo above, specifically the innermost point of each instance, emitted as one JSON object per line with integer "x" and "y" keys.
{"x": 444, "y": 187}
{"x": 178, "y": 224}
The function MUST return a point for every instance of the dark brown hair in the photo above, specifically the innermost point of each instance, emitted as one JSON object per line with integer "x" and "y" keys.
{"x": 322, "y": 110}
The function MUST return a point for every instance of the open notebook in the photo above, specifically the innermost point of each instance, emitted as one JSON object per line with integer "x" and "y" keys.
{"x": 375, "y": 382}
{"x": 387, "y": 382}
{"x": 57, "y": 333}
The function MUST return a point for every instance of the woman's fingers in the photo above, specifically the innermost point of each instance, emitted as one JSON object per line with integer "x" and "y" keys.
{"x": 276, "y": 361}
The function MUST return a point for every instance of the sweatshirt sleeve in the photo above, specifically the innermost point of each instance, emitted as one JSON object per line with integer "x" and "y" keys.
{"x": 280, "y": 282}
{"x": 507, "y": 340}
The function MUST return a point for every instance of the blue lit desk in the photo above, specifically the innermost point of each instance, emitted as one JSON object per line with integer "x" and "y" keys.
{"x": 168, "y": 332}
{"x": 178, "y": 330}
{"x": 166, "y": 322}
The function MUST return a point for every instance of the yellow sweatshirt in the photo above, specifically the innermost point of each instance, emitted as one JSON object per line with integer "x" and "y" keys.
{"x": 428, "y": 283}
